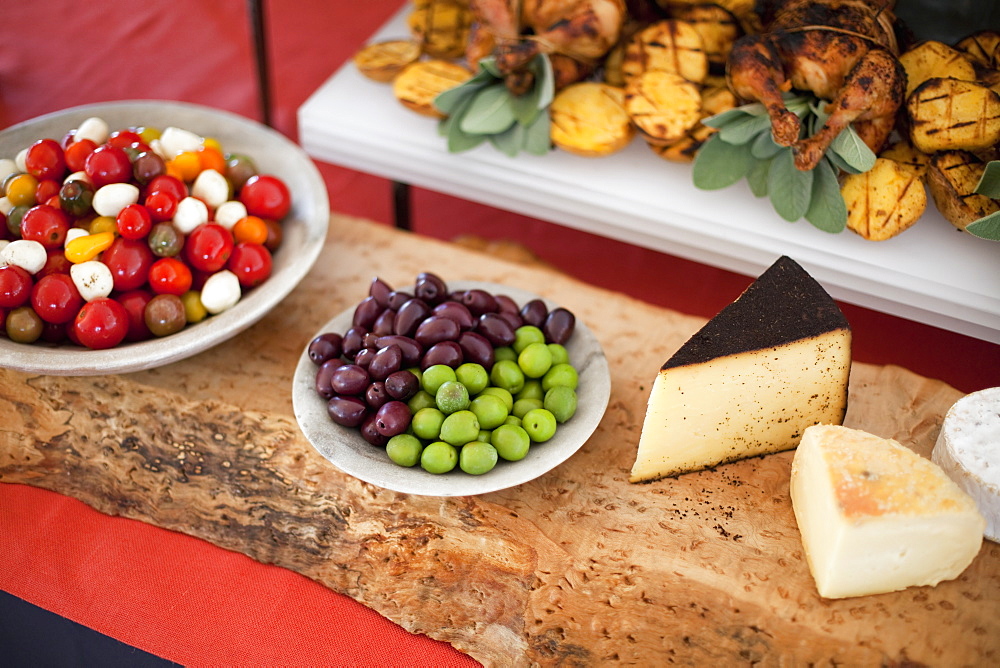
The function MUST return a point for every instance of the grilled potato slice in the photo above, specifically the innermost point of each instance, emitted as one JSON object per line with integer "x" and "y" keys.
{"x": 417, "y": 85}
{"x": 718, "y": 29}
{"x": 884, "y": 201}
{"x": 589, "y": 119}
{"x": 952, "y": 177}
{"x": 949, "y": 114}
{"x": 686, "y": 148}
{"x": 441, "y": 27}
{"x": 666, "y": 46}
{"x": 663, "y": 105}
{"x": 981, "y": 47}
{"x": 714, "y": 100}
{"x": 933, "y": 59}
{"x": 382, "y": 61}
{"x": 907, "y": 156}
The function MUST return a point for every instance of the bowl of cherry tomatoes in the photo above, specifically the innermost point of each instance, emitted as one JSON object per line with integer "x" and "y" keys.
{"x": 140, "y": 233}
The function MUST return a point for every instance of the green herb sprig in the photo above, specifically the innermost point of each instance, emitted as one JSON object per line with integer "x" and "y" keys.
{"x": 988, "y": 227}
{"x": 744, "y": 147}
{"x": 483, "y": 109}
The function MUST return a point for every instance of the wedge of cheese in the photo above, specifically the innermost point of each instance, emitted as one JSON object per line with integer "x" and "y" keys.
{"x": 968, "y": 450}
{"x": 770, "y": 364}
{"x": 876, "y": 517}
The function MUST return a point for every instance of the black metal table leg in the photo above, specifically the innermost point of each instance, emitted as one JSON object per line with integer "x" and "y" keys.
{"x": 401, "y": 204}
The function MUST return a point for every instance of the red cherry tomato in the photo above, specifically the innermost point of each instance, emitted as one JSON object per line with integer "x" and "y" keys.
{"x": 77, "y": 152}
{"x": 208, "y": 247}
{"x": 55, "y": 264}
{"x": 56, "y": 299}
{"x": 47, "y": 189}
{"x": 107, "y": 164}
{"x": 129, "y": 261}
{"x": 45, "y": 224}
{"x": 15, "y": 286}
{"x": 134, "y": 222}
{"x": 251, "y": 263}
{"x": 101, "y": 323}
{"x": 266, "y": 196}
{"x": 123, "y": 138}
{"x": 45, "y": 159}
{"x": 168, "y": 184}
{"x": 161, "y": 206}
{"x": 135, "y": 302}
{"x": 170, "y": 276}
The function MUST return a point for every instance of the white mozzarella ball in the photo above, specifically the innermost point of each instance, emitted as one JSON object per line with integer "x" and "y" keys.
{"x": 177, "y": 140}
{"x": 221, "y": 291}
{"x": 112, "y": 198}
{"x": 92, "y": 279}
{"x": 7, "y": 167}
{"x": 20, "y": 160}
{"x": 6, "y": 206}
{"x": 95, "y": 129}
{"x": 74, "y": 233}
{"x": 211, "y": 187}
{"x": 3, "y": 244}
{"x": 26, "y": 254}
{"x": 78, "y": 176}
{"x": 191, "y": 212}
{"x": 229, "y": 213}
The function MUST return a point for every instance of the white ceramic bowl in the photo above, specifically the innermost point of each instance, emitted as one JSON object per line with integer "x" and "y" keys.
{"x": 304, "y": 232}
{"x": 348, "y": 451}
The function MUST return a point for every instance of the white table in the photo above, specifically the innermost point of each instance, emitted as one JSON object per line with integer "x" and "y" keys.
{"x": 931, "y": 273}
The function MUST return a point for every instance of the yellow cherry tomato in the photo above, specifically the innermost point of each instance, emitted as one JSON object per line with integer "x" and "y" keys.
{"x": 193, "y": 308}
{"x": 88, "y": 247}
{"x": 21, "y": 190}
{"x": 103, "y": 224}
{"x": 149, "y": 134}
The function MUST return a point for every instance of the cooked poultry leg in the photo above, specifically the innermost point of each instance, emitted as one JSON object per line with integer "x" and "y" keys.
{"x": 570, "y": 30}
{"x": 841, "y": 50}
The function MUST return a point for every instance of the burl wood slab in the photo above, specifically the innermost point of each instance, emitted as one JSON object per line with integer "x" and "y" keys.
{"x": 578, "y": 567}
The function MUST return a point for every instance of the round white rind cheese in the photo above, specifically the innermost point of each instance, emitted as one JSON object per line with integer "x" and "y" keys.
{"x": 968, "y": 450}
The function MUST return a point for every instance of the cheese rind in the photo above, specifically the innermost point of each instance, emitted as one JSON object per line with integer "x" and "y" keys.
{"x": 770, "y": 364}
{"x": 968, "y": 450}
{"x": 876, "y": 517}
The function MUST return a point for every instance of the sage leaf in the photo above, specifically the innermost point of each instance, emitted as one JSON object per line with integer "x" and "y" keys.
{"x": 987, "y": 227}
{"x": 838, "y": 162}
{"x": 790, "y": 189}
{"x": 448, "y": 101}
{"x": 848, "y": 145}
{"x": 537, "y": 137}
{"x": 451, "y": 128}
{"x": 827, "y": 209}
{"x": 489, "y": 65}
{"x": 757, "y": 177}
{"x": 720, "y": 165}
{"x": 545, "y": 80}
{"x": 726, "y": 117}
{"x": 764, "y": 147}
{"x": 989, "y": 182}
{"x": 743, "y": 131}
{"x": 509, "y": 141}
{"x": 490, "y": 112}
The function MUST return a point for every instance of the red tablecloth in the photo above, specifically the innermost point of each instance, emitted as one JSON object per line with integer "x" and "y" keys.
{"x": 182, "y": 598}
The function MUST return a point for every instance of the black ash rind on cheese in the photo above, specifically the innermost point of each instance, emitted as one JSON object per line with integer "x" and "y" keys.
{"x": 784, "y": 304}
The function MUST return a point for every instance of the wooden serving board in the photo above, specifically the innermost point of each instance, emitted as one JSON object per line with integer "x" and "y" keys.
{"x": 578, "y": 567}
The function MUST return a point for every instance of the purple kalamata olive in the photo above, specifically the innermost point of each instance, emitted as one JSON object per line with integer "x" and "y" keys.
{"x": 410, "y": 315}
{"x": 366, "y": 312}
{"x": 559, "y": 325}
{"x": 448, "y": 353}
{"x": 456, "y": 311}
{"x": 380, "y": 291}
{"x": 325, "y": 347}
{"x": 496, "y": 330}
{"x": 346, "y": 411}
{"x": 435, "y": 329}
{"x": 412, "y": 351}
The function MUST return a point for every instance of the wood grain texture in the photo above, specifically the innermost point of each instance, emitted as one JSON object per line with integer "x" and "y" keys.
{"x": 578, "y": 567}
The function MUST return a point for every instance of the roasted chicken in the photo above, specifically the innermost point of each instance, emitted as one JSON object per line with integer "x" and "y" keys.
{"x": 576, "y": 34}
{"x": 843, "y": 51}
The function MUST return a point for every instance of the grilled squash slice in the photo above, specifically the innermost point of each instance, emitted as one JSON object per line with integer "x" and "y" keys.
{"x": 589, "y": 119}
{"x": 666, "y": 46}
{"x": 417, "y": 85}
{"x": 950, "y": 114}
{"x": 952, "y": 178}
